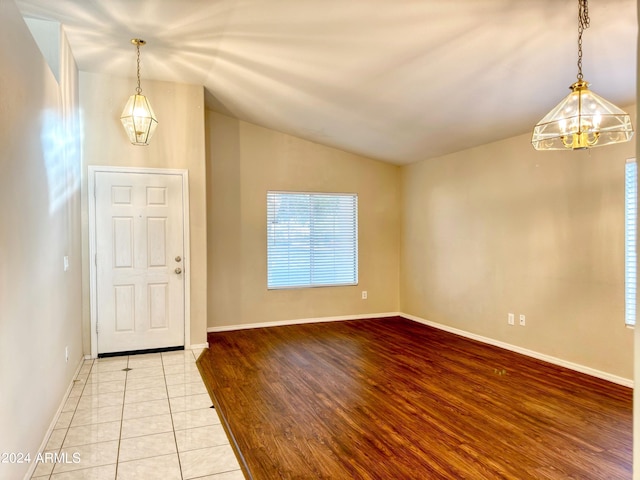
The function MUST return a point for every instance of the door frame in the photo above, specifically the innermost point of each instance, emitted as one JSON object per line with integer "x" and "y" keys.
{"x": 92, "y": 170}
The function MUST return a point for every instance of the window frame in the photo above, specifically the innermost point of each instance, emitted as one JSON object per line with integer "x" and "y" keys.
{"x": 356, "y": 263}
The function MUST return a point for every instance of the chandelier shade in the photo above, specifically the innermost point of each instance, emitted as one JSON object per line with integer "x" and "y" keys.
{"x": 582, "y": 120}
{"x": 138, "y": 120}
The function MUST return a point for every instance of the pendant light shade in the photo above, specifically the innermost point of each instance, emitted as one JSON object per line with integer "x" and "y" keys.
{"x": 138, "y": 118}
{"x": 583, "y": 119}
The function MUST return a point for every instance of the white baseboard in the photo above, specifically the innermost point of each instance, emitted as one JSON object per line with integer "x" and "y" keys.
{"x": 300, "y": 321}
{"x": 43, "y": 444}
{"x": 524, "y": 351}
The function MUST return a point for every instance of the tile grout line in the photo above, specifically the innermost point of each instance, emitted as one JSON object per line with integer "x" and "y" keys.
{"x": 93, "y": 367}
{"x": 173, "y": 427}
{"x": 124, "y": 393}
{"x": 93, "y": 370}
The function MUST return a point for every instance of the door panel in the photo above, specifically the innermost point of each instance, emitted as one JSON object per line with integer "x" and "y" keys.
{"x": 139, "y": 235}
{"x": 157, "y": 241}
{"x": 122, "y": 231}
{"x": 124, "y": 308}
{"x": 158, "y": 305}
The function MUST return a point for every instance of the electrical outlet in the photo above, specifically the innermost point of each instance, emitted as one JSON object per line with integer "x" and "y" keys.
{"x": 523, "y": 320}
{"x": 66, "y": 354}
{"x": 364, "y": 294}
{"x": 511, "y": 319}
{"x": 65, "y": 263}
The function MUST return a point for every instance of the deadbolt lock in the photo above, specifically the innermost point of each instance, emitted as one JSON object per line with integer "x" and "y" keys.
{"x": 178, "y": 258}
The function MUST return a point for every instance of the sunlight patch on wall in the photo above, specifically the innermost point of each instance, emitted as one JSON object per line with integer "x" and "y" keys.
{"x": 60, "y": 148}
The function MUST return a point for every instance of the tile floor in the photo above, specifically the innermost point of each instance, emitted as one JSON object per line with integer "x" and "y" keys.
{"x": 139, "y": 417}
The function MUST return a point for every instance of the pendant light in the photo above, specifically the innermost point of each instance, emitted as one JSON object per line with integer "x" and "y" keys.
{"x": 583, "y": 119}
{"x": 137, "y": 117}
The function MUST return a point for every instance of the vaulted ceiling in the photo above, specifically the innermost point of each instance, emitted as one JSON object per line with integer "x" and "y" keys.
{"x": 399, "y": 80}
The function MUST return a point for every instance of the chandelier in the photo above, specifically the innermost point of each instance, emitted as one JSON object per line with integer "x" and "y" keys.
{"x": 582, "y": 119}
{"x": 138, "y": 118}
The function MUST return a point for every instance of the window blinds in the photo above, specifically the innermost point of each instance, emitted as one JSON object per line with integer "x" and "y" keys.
{"x": 630, "y": 224}
{"x": 312, "y": 239}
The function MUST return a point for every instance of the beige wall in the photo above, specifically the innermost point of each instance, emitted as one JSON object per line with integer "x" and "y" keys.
{"x": 503, "y": 228}
{"x": 244, "y": 161}
{"x": 40, "y": 311}
{"x": 178, "y": 143}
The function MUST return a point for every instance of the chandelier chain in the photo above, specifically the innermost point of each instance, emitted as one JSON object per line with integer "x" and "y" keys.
{"x": 583, "y": 23}
{"x": 138, "y": 89}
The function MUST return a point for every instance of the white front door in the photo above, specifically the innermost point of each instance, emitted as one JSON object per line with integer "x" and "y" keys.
{"x": 139, "y": 261}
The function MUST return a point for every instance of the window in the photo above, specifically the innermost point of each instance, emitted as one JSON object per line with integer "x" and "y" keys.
{"x": 630, "y": 222}
{"x": 312, "y": 239}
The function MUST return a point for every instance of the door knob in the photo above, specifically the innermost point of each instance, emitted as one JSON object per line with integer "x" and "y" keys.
{"x": 178, "y": 270}
{"x": 178, "y": 258}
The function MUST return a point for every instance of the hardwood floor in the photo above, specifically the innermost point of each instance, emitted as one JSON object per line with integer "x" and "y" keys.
{"x": 393, "y": 399}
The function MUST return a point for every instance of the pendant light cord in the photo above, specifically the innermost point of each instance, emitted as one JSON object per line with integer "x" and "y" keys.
{"x": 138, "y": 89}
{"x": 583, "y": 23}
